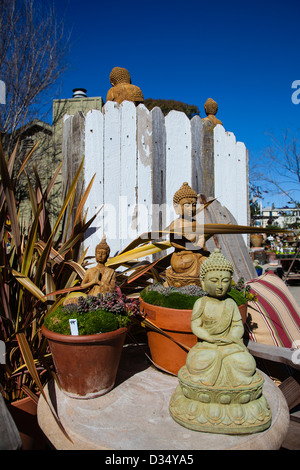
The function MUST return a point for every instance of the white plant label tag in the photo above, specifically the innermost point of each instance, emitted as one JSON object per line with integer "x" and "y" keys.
{"x": 73, "y": 326}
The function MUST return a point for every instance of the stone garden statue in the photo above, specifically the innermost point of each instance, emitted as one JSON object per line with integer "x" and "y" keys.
{"x": 100, "y": 278}
{"x": 188, "y": 240}
{"x": 220, "y": 390}
{"x": 122, "y": 89}
{"x": 211, "y": 109}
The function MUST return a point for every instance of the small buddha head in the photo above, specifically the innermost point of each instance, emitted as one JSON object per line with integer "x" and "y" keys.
{"x": 102, "y": 251}
{"x": 216, "y": 275}
{"x": 119, "y": 75}
{"x": 185, "y": 202}
{"x": 211, "y": 107}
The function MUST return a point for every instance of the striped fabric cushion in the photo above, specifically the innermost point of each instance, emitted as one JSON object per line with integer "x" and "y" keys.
{"x": 273, "y": 319}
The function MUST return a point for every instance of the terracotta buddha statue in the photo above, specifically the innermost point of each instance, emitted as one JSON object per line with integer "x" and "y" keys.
{"x": 122, "y": 89}
{"x": 211, "y": 109}
{"x": 100, "y": 278}
{"x": 187, "y": 239}
{"x": 219, "y": 389}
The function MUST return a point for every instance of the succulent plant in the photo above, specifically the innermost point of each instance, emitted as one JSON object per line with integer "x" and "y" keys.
{"x": 95, "y": 314}
{"x": 192, "y": 290}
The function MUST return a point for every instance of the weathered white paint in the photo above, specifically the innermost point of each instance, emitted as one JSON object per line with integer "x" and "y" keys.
{"x": 128, "y": 174}
{"x": 178, "y": 154}
{"x": 140, "y": 157}
{"x": 94, "y": 164}
{"x": 242, "y": 180}
{"x": 112, "y": 174}
{"x": 144, "y": 170}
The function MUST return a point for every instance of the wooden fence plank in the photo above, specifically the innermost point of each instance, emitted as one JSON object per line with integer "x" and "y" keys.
{"x": 112, "y": 176}
{"x": 231, "y": 245}
{"x": 73, "y": 152}
{"x": 159, "y": 170}
{"x": 197, "y": 154}
{"x": 144, "y": 169}
{"x": 66, "y": 151}
{"x": 128, "y": 173}
{"x": 208, "y": 160}
{"x": 95, "y": 164}
{"x": 178, "y": 153}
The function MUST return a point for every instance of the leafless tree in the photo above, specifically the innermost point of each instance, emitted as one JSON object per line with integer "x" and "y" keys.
{"x": 280, "y": 167}
{"x": 33, "y": 52}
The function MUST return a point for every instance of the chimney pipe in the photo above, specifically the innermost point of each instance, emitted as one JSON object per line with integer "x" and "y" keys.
{"x": 79, "y": 93}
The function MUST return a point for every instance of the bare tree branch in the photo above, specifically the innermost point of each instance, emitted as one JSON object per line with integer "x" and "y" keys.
{"x": 33, "y": 51}
{"x": 280, "y": 167}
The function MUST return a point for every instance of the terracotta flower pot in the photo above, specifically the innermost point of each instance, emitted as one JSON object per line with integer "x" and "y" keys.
{"x": 86, "y": 365}
{"x": 165, "y": 353}
{"x": 24, "y": 414}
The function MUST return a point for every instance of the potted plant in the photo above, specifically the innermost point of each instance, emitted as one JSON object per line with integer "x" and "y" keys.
{"x": 168, "y": 310}
{"x": 33, "y": 263}
{"x": 258, "y": 268}
{"x": 168, "y": 313}
{"x": 87, "y": 362}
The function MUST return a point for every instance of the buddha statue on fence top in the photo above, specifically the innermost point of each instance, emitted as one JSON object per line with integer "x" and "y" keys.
{"x": 100, "y": 278}
{"x": 187, "y": 239}
{"x": 219, "y": 389}
{"x": 211, "y": 109}
{"x": 122, "y": 89}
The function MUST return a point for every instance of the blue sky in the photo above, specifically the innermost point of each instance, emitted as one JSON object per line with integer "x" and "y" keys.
{"x": 245, "y": 55}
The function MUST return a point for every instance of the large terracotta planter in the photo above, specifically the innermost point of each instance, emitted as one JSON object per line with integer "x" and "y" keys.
{"x": 24, "y": 414}
{"x": 165, "y": 353}
{"x": 86, "y": 365}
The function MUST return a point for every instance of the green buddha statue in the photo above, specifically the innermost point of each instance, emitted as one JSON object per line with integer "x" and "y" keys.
{"x": 219, "y": 389}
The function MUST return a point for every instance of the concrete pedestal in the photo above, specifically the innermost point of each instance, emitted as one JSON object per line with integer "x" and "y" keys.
{"x": 135, "y": 416}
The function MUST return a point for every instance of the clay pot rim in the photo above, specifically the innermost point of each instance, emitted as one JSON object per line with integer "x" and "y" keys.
{"x": 95, "y": 338}
{"x": 164, "y": 308}
{"x": 167, "y": 309}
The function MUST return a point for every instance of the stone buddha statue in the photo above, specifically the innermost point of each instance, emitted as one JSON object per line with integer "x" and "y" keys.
{"x": 219, "y": 389}
{"x": 211, "y": 109}
{"x": 100, "y": 278}
{"x": 122, "y": 89}
{"x": 187, "y": 239}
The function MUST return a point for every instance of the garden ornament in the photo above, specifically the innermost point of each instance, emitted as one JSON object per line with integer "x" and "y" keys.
{"x": 220, "y": 390}
{"x": 211, "y": 109}
{"x": 187, "y": 239}
{"x": 122, "y": 89}
{"x": 100, "y": 278}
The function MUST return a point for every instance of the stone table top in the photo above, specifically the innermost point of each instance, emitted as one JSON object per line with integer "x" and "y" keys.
{"x": 134, "y": 415}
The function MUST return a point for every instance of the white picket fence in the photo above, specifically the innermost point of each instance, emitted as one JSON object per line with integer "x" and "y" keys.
{"x": 141, "y": 159}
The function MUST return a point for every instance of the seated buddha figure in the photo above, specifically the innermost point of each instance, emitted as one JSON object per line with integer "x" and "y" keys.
{"x": 122, "y": 88}
{"x": 187, "y": 239}
{"x": 219, "y": 389}
{"x": 211, "y": 109}
{"x": 100, "y": 278}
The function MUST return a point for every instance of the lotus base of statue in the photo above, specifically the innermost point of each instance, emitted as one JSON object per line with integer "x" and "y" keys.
{"x": 220, "y": 410}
